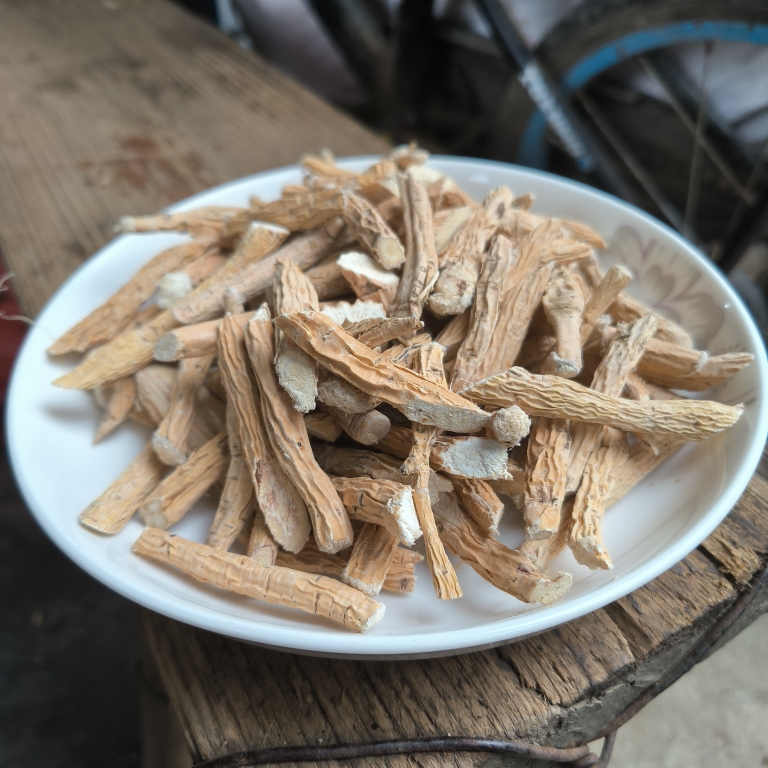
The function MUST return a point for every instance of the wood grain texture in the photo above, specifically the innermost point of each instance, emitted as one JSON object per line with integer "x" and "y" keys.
{"x": 123, "y": 108}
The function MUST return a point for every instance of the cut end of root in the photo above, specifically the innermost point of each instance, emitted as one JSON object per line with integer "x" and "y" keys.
{"x": 167, "y": 452}
{"x": 547, "y": 591}
{"x": 367, "y": 589}
{"x": 168, "y": 349}
{"x": 558, "y": 366}
{"x": 590, "y": 551}
{"x": 404, "y": 511}
{"x": 125, "y": 225}
{"x": 390, "y": 252}
{"x": 374, "y": 618}
{"x": 510, "y": 425}
{"x": 152, "y": 514}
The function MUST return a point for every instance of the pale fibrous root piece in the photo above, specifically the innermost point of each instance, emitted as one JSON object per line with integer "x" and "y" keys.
{"x": 609, "y": 378}
{"x": 371, "y": 558}
{"x": 514, "y": 484}
{"x": 368, "y": 227}
{"x": 421, "y": 266}
{"x": 519, "y": 222}
{"x": 341, "y": 312}
{"x": 186, "y": 485}
{"x": 197, "y": 340}
{"x": 322, "y": 426}
{"x": 236, "y": 504}
{"x": 303, "y": 210}
{"x": 261, "y": 545}
{"x": 171, "y": 287}
{"x": 484, "y": 313}
{"x": 121, "y": 400}
{"x": 386, "y": 503}
{"x": 172, "y": 434}
{"x": 366, "y": 428}
{"x": 233, "y": 302}
{"x": 318, "y": 595}
{"x": 460, "y": 261}
{"x": 510, "y": 425}
{"x": 377, "y": 331}
{"x": 367, "y": 279}
{"x": 416, "y": 467}
{"x": 480, "y": 502}
{"x": 416, "y": 397}
{"x": 613, "y": 282}
{"x": 277, "y": 497}
{"x": 541, "y": 552}
{"x": 505, "y": 568}
{"x": 110, "y": 512}
{"x": 547, "y": 467}
{"x": 328, "y": 281}
{"x": 290, "y": 443}
{"x": 446, "y": 223}
{"x": 585, "y": 538}
{"x": 480, "y": 458}
{"x": 563, "y": 302}
{"x": 340, "y": 394}
{"x": 560, "y": 398}
{"x": 198, "y": 222}
{"x": 454, "y": 333}
{"x": 292, "y": 292}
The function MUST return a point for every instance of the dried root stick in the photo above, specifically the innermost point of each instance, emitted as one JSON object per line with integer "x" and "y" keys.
{"x": 377, "y": 331}
{"x": 371, "y": 559}
{"x": 322, "y": 426}
{"x": 481, "y": 503}
{"x": 563, "y": 302}
{"x": 199, "y": 222}
{"x": 182, "y": 489}
{"x": 121, "y": 401}
{"x": 559, "y": 398}
{"x": 541, "y": 552}
{"x": 416, "y": 397}
{"x": 290, "y": 443}
{"x": 277, "y": 497}
{"x": 170, "y": 438}
{"x": 453, "y": 335}
{"x": 366, "y": 428}
{"x": 117, "y": 505}
{"x": 197, "y": 340}
{"x": 304, "y": 210}
{"x": 337, "y": 393}
{"x": 367, "y": 279}
{"x": 506, "y": 569}
{"x": 292, "y": 292}
{"x": 317, "y": 595}
{"x": 604, "y": 294}
{"x": 261, "y": 546}
{"x": 368, "y": 227}
{"x": 328, "y": 280}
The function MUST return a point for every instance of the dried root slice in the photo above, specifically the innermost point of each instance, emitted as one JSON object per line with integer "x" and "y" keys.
{"x": 367, "y": 279}
{"x": 251, "y": 275}
{"x": 559, "y": 398}
{"x": 547, "y": 467}
{"x": 277, "y": 497}
{"x": 340, "y": 394}
{"x": 446, "y": 223}
{"x": 585, "y": 537}
{"x": 604, "y": 294}
{"x": 506, "y": 569}
{"x": 261, "y": 546}
{"x": 304, "y": 210}
{"x": 377, "y": 331}
{"x": 382, "y": 502}
{"x": 318, "y": 595}
{"x": 117, "y": 505}
{"x": 292, "y": 292}
{"x": 199, "y": 222}
{"x": 171, "y": 437}
{"x": 370, "y": 561}
{"x": 322, "y": 426}
{"x": 197, "y": 340}
{"x": 417, "y": 398}
{"x": 460, "y": 261}
{"x": 481, "y": 503}
{"x": 185, "y": 486}
{"x": 106, "y": 321}
{"x": 290, "y": 443}
{"x": 121, "y": 400}
{"x": 421, "y": 267}
{"x": 509, "y": 425}
{"x": 484, "y": 313}
{"x": 452, "y": 336}
{"x": 366, "y": 428}
{"x": 479, "y": 458}
{"x": 541, "y": 552}
{"x": 236, "y": 504}
{"x": 563, "y": 302}
{"x": 368, "y": 227}
{"x": 328, "y": 280}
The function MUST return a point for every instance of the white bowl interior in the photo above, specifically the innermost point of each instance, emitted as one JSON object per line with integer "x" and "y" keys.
{"x": 50, "y": 434}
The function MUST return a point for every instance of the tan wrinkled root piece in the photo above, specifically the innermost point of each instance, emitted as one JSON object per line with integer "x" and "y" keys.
{"x": 304, "y": 210}
{"x": 383, "y": 502}
{"x": 367, "y": 279}
{"x": 318, "y": 595}
{"x": 254, "y": 276}
{"x": 481, "y": 503}
{"x": 547, "y": 467}
{"x": 237, "y": 499}
{"x": 484, "y": 313}
{"x": 182, "y": 489}
{"x": 609, "y": 379}
{"x": 197, "y": 222}
{"x": 261, "y": 546}
{"x": 368, "y": 227}
{"x": 290, "y": 443}
{"x": 322, "y": 426}
{"x": 377, "y": 331}
{"x": 460, "y": 261}
{"x": 170, "y": 438}
{"x": 585, "y": 537}
{"x": 509, "y": 425}
{"x": 121, "y": 401}
{"x": 417, "y": 398}
{"x": 197, "y": 340}
{"x": 105, "y": 322}
{"x": 519, "y": 222}
{"x": 563, "y": 302}
{"x": 560, "y": 398}
{"x": 513, "y": 486}
{"x": 541, "y": 552}
{"x": 340, "y": 394}
{"x": 366, "y": 428}
{"x": 328, "y": 280}
{"x": 278, "y": 498}
{"x": 604, "y": 294}
{"x": 421, "y": 267}
{"x": 506, "y": 569}
{"x": 371, "y": 558}
{"x": 446, "y": 223}
{"x": 117, "y": 505}
{"x": 479, "y": 458}
{"x": 429, "y": 363}
{"x": 454, "y": 333}
{"x": 292, "y": 292}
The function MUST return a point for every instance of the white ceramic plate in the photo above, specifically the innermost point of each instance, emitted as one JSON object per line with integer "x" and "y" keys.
{"x": 50, "y": 433}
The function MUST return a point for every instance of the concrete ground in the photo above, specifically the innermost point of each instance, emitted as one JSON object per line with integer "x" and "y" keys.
{"x": 70, "y": 677}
